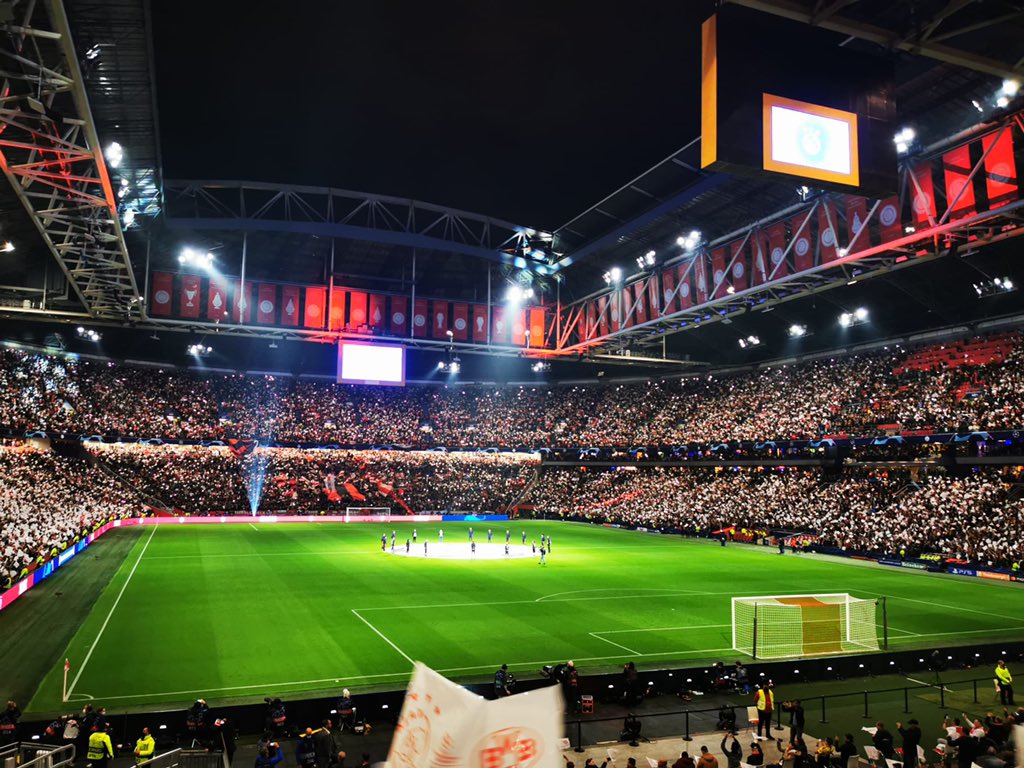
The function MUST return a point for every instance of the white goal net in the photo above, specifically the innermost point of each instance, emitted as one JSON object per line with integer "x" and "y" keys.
{"x": 383, "y": 513}
{"x": 782, "y": 626}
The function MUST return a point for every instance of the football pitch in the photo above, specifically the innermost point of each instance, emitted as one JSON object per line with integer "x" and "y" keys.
{"x": 242, "y": 611}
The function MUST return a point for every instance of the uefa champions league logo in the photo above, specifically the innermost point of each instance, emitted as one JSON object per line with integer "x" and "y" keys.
{"x": 812, "y": 142}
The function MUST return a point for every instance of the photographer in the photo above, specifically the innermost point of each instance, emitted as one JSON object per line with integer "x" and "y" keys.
{"x": 796, "y": 718}
{"x": 501, "y": 682}
{"x": 277, "y": 718}
{"x": 269, "y": 755}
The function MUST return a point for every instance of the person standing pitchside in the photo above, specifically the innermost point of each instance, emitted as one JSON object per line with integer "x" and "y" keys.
{"x": 1004, "y": 681}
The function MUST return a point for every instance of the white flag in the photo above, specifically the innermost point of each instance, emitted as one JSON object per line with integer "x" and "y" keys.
{"x": 443, "y": 725}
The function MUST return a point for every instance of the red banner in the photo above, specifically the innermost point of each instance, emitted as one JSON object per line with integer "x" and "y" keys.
{"x": 759, "y": 261}
{"x": 460, "y": 322}
{"x": 956, "y": 170}
{"x": 266, "y": 304}
{"x": 399, "y": 318}
{"x": 217, "y": 299}
{"x": 1000, "y": 169}
{"x": 479, "y": 322}
{"x": 519, "y": 327}
{"x": 588, "y": 330}
{"x": 354, "y": 492}
{"x": 652, "y": 296}
{"x": 670, "y": 297}
{"x": 357, "y": 317}
{"x": 499, "y": 332}
{"x": 161, "y": 292}
{"x": 241, "y": 303}
{"x": 290, "y": 305}
{"x": 738, "y": 258}
{"x": 639, "y": 305}
{"x": 856, "y": 219}
{"x": 777, "y": 266}
{"x": 439, "y": 319}
{"x": 316, "y": 306}
{"x": 336, "y": 321}
{"x": 377, "y": 312}
{"x": 719, "y": 280}
{"x": 700, "y": 278}
{"x": 420, "y": 320}
{"x": 828, "y": 241}
{"x": 684, "y": 279}
{"x": 890, "y": 226}
{"x": 923, "y": 199}
{"x": 191, "y": 286}
{"x": 603, "y": 316}
{"x": 537, "y": 327}
{"x": 803, "y": 253}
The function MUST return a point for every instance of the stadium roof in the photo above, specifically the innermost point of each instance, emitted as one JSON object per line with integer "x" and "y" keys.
{"x": 569, "y": 118}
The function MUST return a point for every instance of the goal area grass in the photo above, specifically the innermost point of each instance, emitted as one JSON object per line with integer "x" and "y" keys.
{"x": 234, "y": 613}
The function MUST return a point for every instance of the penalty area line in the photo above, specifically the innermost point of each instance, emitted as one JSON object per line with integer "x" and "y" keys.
{"x": 612, "y": 642}
{"x": 383, "y": 637}
{"x": 113, "y": 608}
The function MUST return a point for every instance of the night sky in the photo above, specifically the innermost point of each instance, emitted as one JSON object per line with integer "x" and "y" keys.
{"x": 528, "y": 111}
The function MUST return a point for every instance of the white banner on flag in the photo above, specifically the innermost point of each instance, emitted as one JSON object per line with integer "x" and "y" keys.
{"x": 443, "y": 725}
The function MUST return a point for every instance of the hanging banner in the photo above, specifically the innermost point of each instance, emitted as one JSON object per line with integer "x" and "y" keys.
{"x": 590, "y": 327}
{"x": 480, "y": 322}
{"x": 856, "y": 219}
{"x": 777, "y": 266}
{"x": 890, "y": 224}
{"x": 615, "y": 310}
{"x": 652, "y": 296}
{"x": 922, "y": 195}
{"x": 460, "y": 322}
{"x": 639, "y": 305}
{"x": 439, "y": 319}
{"x": 160, "y": 294}
{"x": 241, "y": 303}
{"x": 377, "y": 312}
{"x": 827, "y": 239}
{"x": 684, "y": 281}
{"x": 266, "y": 303}
{"x": 217, "y": 299}
{"x": 519, "y": 327}
{"x": 803, "y": 253}
{"x": 670, "y": 297}
{"x": 357, "y": 317}
{"x": 316, "y": 307}
{"x": 700, "y": 278}
{"x": 537, "y": 327}
{"x": 738, "y": 258}
{"x": 290, "y": 305}
{"x": 190, "y": 296}
{"x": 760, "y": 258}
{"x": 499, "y": 333}
{"x": 336, "y": 321}
{"x": 719, "y": 279}
{"x": 419, "y": 318}
{"x": 956, "y": 171}
{"x": 399, "y": 318}
{"x": 603, "y": 315}
{"x": 1000, "y": 169}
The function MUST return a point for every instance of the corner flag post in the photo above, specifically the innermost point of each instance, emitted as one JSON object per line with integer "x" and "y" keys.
{"x": 64, "y": 692}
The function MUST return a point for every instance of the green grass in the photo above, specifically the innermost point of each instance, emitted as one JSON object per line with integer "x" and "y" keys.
{"x": 238, "y": 612}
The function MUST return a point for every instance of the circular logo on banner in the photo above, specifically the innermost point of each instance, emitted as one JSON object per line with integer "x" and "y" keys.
{"x": 888, "y": 215}
{"x": 419, "y": 321}
{"x": 162, "y": 297}
{"x": 398, "y": 318}
{"x": 668, "y": 296}
{"x": 802, "y": 246}
{"x": 358, "y": 315}
{"x": 684, "y": 289}
{"x": 312, "y": 310}
{"x": 828, "y": 237}
{"x": 719, "y": 275}
{"x": 922, "y": 203}
{"x": 738, "y": 270}
{"x": 266, "y": 307}
{"x": 777, "y": 254}
{"x": 460, "y": 324}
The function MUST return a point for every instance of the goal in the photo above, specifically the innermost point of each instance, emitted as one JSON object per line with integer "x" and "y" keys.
{"x": 784, "y": 626}
{"x": 382, "y": 513}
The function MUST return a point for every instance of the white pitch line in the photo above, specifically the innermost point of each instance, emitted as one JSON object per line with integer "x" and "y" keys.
{"x": 612, "y": 642}
{"x": 930, "y": 685}
{"x": 663, "y": 629}
{"x": 655, "y": 592}
{"x": 106, "y": 621}
{"x": 534, "y": 602}
{"x": 383, "y": 637}
{"x": 959, "y": 608}
{"x": 254, "y": 527}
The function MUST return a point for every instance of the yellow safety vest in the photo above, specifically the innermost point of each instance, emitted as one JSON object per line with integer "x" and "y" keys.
{"x": 99, "y": 746}
{"x": 144, "y": 749}
{"x": 1003, "y": 673}
{"x": 761, "y": 700}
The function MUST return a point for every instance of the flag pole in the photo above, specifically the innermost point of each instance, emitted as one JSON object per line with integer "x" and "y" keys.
{"x": 64, "y": 692}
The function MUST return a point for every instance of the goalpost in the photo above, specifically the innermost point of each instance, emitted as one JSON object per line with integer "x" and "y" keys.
{"x": 781, "y": 626}
{"x": 384, "y": 513}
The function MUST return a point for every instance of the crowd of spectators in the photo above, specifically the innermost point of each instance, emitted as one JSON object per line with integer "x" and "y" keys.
{"x": 196, "y": 479}
{"x": 47, "y": 502}
{"x": 853, "y": 396}
{"x": 972, "y": 518}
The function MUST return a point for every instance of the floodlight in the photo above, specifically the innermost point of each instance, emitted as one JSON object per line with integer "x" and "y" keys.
{"x": 616, "y": 274}
{"x": 114, "y": 154}
{"x": 1002, "y": 102}
{"x": 861, "y": 313}
{"x": 796, "y": 330}
{"x": 845, "y": 319}
{"x": 1010, "y": 87}
{"x": 7, "y": 247}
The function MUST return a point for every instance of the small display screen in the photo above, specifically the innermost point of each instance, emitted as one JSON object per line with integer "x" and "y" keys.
{"x": 364, "y": 363}
{"x": 809, "y": 140}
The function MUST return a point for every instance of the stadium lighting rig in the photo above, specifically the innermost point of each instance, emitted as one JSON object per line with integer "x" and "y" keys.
{"x": 690, "y": 241}
{"x": 797, "y": 331}
{"x": 452, "y": 366}
{"x": 646, "y": 261}
{"x": 994, "y": 287}
{"x": 193, "y": 257}
{"x": 613, "y": 275}
{"x": 904, "y": 140}
{"x": 88, "y": 333}
{"x": 540, "y": 367}
{"x": 750, "y": 341}
{"x": 858, "y": 316}
{"x": 114, "y": 154}
{"x": 516, "y": 295}
{"x": 7, "y": 247}
{"x": 199, "y": 350}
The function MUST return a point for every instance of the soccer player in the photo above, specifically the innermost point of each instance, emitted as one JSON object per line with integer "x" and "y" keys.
{"x": 383, "y": 542}
{"x": 490, "y": 534}
{"x": 440, "y": 535}
{"x": 407, "y": 546}
{"x": 549, "y": 544}
{"x": 542, "y": 553}
{"x": 524, "y": 538}
{"x": 508, "y": 535}
{"x": 471, "y": 533}
{"x": 535, "y": 546}
{"x": 424, "y": 547}
{"x": 413, "y": 535}
{"x": 506, "y": 549}
{"x": 472, "y": 548}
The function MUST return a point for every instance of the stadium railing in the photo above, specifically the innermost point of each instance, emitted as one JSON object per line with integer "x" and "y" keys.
{"x": 187, "y": 758}
{"x": 33, "y": 754}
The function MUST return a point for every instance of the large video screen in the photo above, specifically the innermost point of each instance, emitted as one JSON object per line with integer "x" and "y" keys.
{"x": 365, "y": 363}
{"x": 810, "y": 141}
